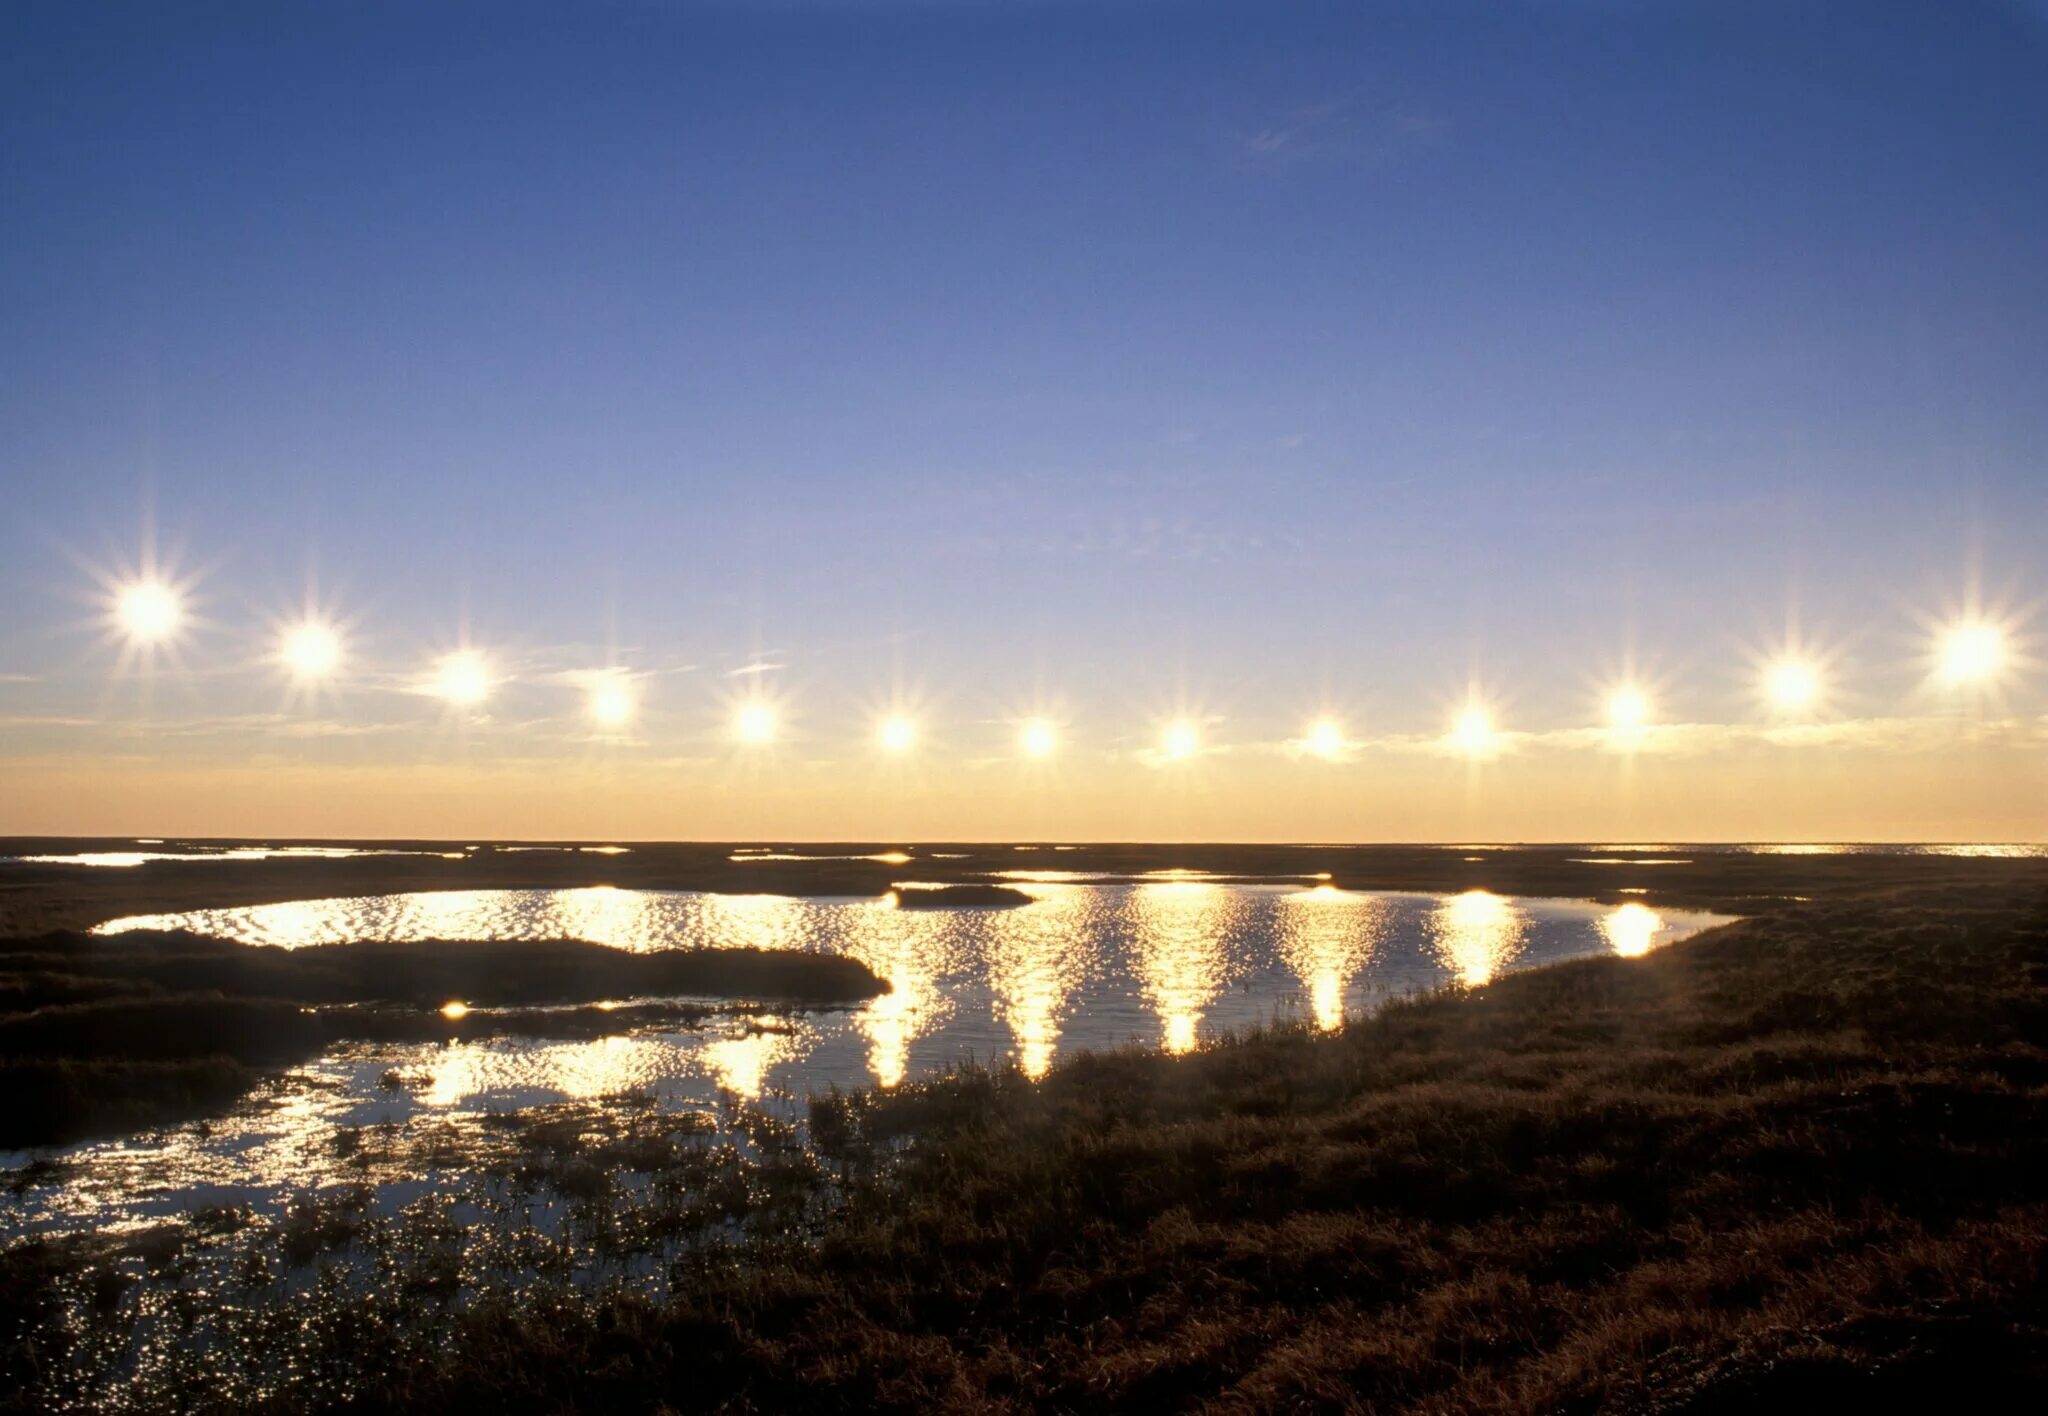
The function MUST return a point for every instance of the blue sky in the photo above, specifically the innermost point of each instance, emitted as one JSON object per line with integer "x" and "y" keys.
{"x": 1148, "y": 357}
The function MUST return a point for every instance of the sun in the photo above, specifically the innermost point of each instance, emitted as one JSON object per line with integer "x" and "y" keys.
{"x": 1474, "y": 733}
{"x": 755, "y": 724}
{"x": 896, "y": 734}
{"x": 1628, "y": 710}
{"x": 1039, "y": 739}
{"x": 1324, "y": 738}
{"x": 1972, "y": 652}
{"x": 462, "y": 678}
{"x": 611, "y": 702}
{"x": 1792, "y": 685}
{"x": 148, "y": 612}
{"x": 1180, "y": 741}
{"x": 310, "y": 650}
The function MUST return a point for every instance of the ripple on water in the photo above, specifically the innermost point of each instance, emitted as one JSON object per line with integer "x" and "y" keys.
{"x": 1164, "y": 961}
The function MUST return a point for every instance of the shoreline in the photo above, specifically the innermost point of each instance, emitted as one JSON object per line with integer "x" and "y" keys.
{"x": 38, "y": 898}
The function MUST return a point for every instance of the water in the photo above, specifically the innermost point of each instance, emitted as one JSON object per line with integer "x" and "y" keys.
{"x": 1167, "y": 962}
{"x": 1162, "y": 962}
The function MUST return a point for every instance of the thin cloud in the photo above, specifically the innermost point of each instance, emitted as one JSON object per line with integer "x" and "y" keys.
{"x": 1349, "y": 128}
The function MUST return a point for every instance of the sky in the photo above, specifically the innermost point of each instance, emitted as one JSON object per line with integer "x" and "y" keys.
{"x": 1114, "y": 366}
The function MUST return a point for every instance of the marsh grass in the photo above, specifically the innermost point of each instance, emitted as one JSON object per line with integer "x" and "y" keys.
{"x": 1798, "y": 1161}
{"x": 101, "y": 1034}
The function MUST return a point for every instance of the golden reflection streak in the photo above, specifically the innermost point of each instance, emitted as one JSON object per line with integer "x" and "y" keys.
{"x": 1037, "y": 956}
{"x": 296, "y": 923}
{"x": 580, "y": 1071}
{"x": 1631, "y": 929}
{"x": 909, "y": 948}
{"x": 1326, "y": 936}
{"x": 758, "y": 921}
{"x": 602, "y": 914}
{"x": 1476, "y": 933}
{"x": 741, "y": 1064}
{"x": 447, "y": 914}
{"x": 1179, "y": 941}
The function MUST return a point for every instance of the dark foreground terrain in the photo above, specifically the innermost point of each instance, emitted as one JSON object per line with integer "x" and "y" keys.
{"x": 1791, "y": 1164}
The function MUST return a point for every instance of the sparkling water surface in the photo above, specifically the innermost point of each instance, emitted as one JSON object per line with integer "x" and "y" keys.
{"x": 1167, "y": 963}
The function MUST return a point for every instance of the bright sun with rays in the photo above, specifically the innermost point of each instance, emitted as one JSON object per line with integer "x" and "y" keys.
{"x": 1324, "y": 738}
{"x": 1180, "y": 741}
{"x": 1474, "y": 732}
{"x": 148, "y": 612}
{"x": 462, "y": 678}
{"x": 310, "y": 650}
{"x": 897, "y": 734}
{"x": 1972, "y": 652}
{"x": 1039, "y": 739}
{"x": 1628, "y": 710}
{"x": 611, "y": 703}
{"x": 1792, "y": 685}
{"x": 754, "y": 724}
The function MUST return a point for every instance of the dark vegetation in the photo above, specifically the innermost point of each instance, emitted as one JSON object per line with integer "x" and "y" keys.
{"x": 946, "y": 897}
{"x": 102, "y": 1033}
{"x": 1795, "y": 1163}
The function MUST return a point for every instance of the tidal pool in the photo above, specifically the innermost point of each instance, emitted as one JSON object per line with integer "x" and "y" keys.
{"x": 1085, "y": 965}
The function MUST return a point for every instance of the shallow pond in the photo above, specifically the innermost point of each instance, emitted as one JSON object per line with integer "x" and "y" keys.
{"x": 1161, "y": 962}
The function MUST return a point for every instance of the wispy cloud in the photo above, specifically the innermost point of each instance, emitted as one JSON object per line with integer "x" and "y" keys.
{"x": 1353, "y": 128}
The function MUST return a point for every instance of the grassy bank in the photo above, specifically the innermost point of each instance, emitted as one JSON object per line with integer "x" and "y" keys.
{"x": 97, "y": 1034}
{"x": 1799, "y": 1160}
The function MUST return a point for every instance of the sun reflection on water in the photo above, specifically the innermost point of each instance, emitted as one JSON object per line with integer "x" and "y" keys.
{"x": 741, "y": 1064}
{"x": 1327, "y": 935}
{"x": 752, "y": 921}
{"x": 602, "y": 914}
{"x": 911, "y": 949}
{"x": 1477, "y": 933}
{"x": 1038, "y": 955}
{"x": 579, "y": 1071}
{"x": 1631, "y": 929}
{"x": 1180, "y": 953}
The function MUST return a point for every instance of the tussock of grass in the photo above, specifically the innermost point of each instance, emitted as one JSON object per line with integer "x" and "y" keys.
{"x": 1799, "y": 1161}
